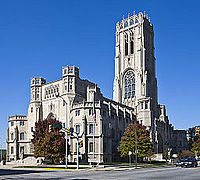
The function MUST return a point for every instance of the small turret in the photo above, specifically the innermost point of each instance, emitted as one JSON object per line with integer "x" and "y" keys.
{"x": 37, "y": 81}
{"x": 36, "y": 88}
{"x": 70, "y": 74}
{"x": 70, "y": 71}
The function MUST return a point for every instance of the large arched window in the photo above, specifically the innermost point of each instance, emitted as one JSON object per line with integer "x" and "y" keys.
{"x": 129, "y": 84}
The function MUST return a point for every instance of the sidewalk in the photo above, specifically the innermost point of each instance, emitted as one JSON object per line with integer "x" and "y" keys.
{"x": 116, "y": 167}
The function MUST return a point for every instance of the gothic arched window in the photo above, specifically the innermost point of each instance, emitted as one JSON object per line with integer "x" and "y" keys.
{"x": 131, "y": 42}
{"x": 126, "y": 44}
{"x": 131, "y": 22}
{"x": 126, "y": 24}
{"x": 129, "y": 84}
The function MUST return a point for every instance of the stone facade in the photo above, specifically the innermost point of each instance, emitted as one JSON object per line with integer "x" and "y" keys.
{"x": 18, "y": 143}
{"x": 134, "y": 98}
{"x": 111, "y": 117}
{"x": 135, "y": 82}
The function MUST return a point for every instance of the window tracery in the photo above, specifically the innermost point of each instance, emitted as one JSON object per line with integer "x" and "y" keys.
{"x": 129, "y": 85}
{"x": 51, "y": 91}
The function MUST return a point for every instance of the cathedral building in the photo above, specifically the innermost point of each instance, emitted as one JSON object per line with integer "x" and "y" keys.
{"x": 72, "y": 98}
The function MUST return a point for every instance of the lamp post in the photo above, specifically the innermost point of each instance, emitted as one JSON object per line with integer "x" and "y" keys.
{"x": 77, "y": 146}
{"x": 136, "y": 144}
{"x": 93, "y": 124}
{"x": 136, "y": 139}
{"x": 66, "y": 135}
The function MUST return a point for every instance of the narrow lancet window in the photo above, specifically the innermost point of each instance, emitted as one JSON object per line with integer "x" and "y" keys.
{"x": 131, "y": 43}
{"x": 126, "y": 45}
{"x": 132, "y": 47}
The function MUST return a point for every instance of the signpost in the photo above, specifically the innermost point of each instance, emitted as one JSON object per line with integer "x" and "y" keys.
{"x": 57, "y": 125}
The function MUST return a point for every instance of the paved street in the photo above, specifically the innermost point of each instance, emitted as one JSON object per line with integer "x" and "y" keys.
{"x": 146, "y": 173}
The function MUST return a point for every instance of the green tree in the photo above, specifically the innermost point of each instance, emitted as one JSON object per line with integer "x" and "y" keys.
{"x": 150, "y": 155}
{"x": 192, "y": 137}
{"x": 196, "y": 147}
{"x": 128, "y": 141}
{"x": 166, "y": 155}
{"x": 49, "y": 144}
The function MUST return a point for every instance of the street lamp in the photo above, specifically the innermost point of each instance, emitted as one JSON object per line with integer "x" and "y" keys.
{"x": 136, "y": 137}
{"x": 66, "y": 135}
{"x": 136, "y": 143}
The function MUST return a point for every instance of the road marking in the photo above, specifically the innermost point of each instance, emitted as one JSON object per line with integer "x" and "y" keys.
{"x": 155, "y": 169}
{"x": 56, "y": 169}
{"x": 195, "y": 168}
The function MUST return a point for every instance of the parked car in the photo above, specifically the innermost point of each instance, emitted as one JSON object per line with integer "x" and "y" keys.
{"x": 189, "y": 162}
{"x": 179, "y": 162}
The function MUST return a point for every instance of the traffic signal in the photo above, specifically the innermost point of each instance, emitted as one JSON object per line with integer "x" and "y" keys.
{"x": 50, "y": 128}
{"x": 80, "y": 144}
{"x": 68, "y": 131}
{"x": 71, "y": 131}
{"x": 197, "y": 131}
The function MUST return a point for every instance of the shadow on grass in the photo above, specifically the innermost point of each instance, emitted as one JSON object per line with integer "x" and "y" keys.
{"x": 15, "y": 172}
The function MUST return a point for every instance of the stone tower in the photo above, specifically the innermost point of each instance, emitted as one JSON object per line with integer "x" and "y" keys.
{"x": 135, "y": 83}
{"x": 35, "y": 106}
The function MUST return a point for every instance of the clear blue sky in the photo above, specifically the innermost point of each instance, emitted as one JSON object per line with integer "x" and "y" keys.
{"x": 38, "y": 37}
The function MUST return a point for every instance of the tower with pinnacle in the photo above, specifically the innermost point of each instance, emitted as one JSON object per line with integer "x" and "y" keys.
{"x": 135, "y": 82}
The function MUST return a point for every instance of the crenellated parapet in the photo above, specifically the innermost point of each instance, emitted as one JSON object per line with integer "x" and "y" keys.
{"x": 37, "y": 81}
{"x": 70, "y": 71}
{"x": 132, "y": 20}
{"x": 17, "y": 118}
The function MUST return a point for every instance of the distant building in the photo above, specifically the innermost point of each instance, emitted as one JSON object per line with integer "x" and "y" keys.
{"x": 179, "y": 141}
{"x": 134, "y": 97}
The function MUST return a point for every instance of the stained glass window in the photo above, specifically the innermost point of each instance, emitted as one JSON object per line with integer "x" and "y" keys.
{"x": 129, "y": 85}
